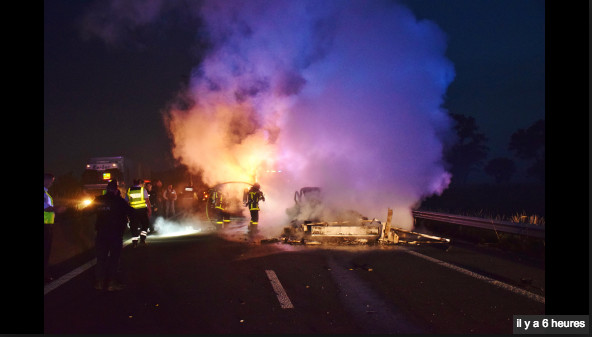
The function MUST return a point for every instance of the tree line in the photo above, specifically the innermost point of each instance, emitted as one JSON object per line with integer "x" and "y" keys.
{"x": 469, "y": 152}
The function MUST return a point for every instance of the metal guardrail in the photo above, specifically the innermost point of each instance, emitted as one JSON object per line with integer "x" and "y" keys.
{"x": 501, "y": 226}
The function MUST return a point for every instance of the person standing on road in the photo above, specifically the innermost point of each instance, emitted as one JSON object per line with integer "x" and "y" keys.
{"x": 137, "y": 197}
{"x": 49, "y": 211}
{"x": 156, "y": 199}
{"x": 219, "y": 203}
{"x": 254, "y": 196}
{"x": 159, "y": 201}
{"x": 112, "y": 217}
{"x": 169, "y": 196}
{"x": 152, "y": 199}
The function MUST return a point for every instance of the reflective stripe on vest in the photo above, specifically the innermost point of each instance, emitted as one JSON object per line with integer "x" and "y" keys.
{"x": 254, "y": 201}
{"x": 218, "y": 200}
{"x": 48, "y": 217}
{"x": 135, "y": 195}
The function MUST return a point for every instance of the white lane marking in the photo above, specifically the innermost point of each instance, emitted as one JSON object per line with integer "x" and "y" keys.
{"x": 67, "y": 277}
{"x": 279, "y": 290}
{"x": 500, "y": 284}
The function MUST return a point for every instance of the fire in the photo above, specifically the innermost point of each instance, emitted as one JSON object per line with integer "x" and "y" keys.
{"x": 296, "y": 91}
{"x": 225, "y": 140}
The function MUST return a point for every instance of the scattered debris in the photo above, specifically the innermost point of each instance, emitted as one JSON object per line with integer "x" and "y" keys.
{"x": 362, "y": 232}
{"x": 308, "y": 228}
{"x": 273, "y": 240}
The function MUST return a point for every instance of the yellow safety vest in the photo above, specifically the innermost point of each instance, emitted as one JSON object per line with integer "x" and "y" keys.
{"x": 254, "y": 198}
{"x": 48, "y": 217}
{"x": 135, "y": 195}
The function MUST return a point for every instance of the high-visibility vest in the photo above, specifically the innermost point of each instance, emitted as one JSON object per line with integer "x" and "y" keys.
{"x": 48, "y": 217}
{"x": 254, "y": 197}
{"x": 217, "y": 197}
{"x": 135, "y": 195}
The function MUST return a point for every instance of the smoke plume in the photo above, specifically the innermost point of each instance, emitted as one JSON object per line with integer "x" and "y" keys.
{"x": 343, "y": 95}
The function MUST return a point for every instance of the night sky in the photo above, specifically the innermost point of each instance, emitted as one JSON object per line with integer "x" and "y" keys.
{"x": 105, "y": 99}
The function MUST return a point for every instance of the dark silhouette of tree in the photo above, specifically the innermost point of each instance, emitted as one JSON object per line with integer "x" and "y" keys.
{"x": 501, "y": 169}
{"x": 469, "y": 152}
{"x": 529, "y": 144}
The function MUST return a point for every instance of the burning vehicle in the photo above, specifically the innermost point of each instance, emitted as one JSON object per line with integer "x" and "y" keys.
{"x": 308, "y": 221}
{"x": 308, "y": 225}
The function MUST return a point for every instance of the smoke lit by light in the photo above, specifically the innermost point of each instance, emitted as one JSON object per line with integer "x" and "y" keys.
{"x": 185, "y": 226}
{"x": 343, "y": 95}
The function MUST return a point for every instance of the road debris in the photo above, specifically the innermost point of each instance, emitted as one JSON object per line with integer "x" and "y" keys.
{"x": 362, "y": 232}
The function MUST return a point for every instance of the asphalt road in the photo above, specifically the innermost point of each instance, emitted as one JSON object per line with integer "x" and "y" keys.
{"x": 222, "y": 282}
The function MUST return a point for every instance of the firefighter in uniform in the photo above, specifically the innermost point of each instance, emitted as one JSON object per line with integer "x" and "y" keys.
{"x": 253, "y": 197}
{"x": 137, "y": 196}
{"x": 219, "y": 202}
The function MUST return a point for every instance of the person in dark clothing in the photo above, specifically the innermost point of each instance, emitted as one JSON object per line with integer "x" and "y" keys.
{"x": 156, "y": 198}
{"x": 113, "y": 213}
{"x": 152, "y": 198}
{"x": 253, "y": 198}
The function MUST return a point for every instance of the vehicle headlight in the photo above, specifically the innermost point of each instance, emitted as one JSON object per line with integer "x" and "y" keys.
{"x": 85, "y": 203}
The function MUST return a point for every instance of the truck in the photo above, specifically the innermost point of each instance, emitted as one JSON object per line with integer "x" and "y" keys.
{"x": 100, "y": 170}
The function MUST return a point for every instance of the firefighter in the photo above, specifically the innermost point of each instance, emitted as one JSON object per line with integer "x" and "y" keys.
{"x": 219, "y": 201}
{"x": 137, "y": 196}
{"x": 253, "y": 197}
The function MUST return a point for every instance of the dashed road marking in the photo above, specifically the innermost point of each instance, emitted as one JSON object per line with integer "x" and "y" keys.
{"x": 279, "y": 290}
{"x": 500, "y": 284}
